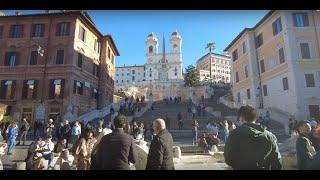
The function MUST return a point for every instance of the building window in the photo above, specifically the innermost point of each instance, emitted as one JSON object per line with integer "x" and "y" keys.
{"x": 133, "y": 71}
{"x": 60, "y": 56}
{"x": 246, "y": 71}
{"x": 80, "y": 60}
{"x": 310, "y": 80}
{"x": 33, "y": 57}
{"x": 37, "y": 30}
{"x": 113, "y": 59}
{"x": 56, "y": 88}
{"x": 7, "y": 90}
{"x": 277, "y": 26}
{"x": 281, "y": 55}
{"x": 262, "y": 68}
{"x": 16, "y": 31}
{"x": 122, "y": 81}
{"x": 95, "y": 70}
{"x": 12, "y": 59}
{"x": 285, "y": 83}
{"x": 175, "y": 71}
{"x": 234, "y": 55}
{"x": 248, "y": 93}
{"x": 117, "y": 81}
{"x": 94, "y": 93}
{"x": 150, "y": 49}
{"x": 259, "y": 40}
{"x": 238, "y": 95}
{"x": 305, "y": 51}
{"x": 29, "y": 90}
{"x": 1, "y": 32}
{"x": 133, "y": 79}
{"x": 63, "y": 29}
{"x": 265, "y": 90}
{"x": 300, "y": 19}
{"x": 128, "y": 81}
{"x": 122, "y": 74}
{"x": 97, "y": 46}
{"x": 78, "y": 87}
{"x": 237, "y": 77}
{"x": 109, "y": 53}
{"x": 82, "y": 34}
{"x": 244, "y": 47}
{"x": 144, "y": 74}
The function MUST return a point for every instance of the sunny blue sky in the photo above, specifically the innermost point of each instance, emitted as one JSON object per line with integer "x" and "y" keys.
{"x": 129, "y": 30}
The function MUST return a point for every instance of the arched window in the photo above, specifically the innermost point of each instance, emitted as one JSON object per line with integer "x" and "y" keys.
{"x": 150, "y": 49}
{"x": 175, "y": 71}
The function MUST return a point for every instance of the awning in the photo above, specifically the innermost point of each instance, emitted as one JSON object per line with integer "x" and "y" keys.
{"x": 57, "y": 82}
{"x": 30, "y": 82}
{"x": 8, "y": 82}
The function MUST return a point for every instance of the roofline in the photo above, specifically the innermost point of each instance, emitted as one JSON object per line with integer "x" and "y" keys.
{"x": 113, "y": 44}
{"x": 215, "y": 54}
{"x": 130, "y": 66}
{"x": 250, "y": 29}
{"x": 82, "y": 14}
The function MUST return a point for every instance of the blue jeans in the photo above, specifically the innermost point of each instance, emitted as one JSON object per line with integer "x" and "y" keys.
{"x": 226, "y": 135}
{"x": 11, "y": 144}
{"x": 194, "y": 137}
{"x": 48, "y": 157}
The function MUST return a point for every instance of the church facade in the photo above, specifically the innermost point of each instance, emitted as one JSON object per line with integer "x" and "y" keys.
{"x": 162, "y": 73}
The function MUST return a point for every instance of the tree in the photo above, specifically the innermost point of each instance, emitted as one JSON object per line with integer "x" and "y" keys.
{"x": 190, "y": 77}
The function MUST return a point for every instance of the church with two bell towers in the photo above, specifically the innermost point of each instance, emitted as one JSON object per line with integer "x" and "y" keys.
{"x": 162, "y": 71}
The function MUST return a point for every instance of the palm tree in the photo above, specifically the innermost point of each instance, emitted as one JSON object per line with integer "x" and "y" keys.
{"x": 211, "y": 46}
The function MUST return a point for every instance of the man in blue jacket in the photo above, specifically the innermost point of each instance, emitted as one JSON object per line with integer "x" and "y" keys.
{"x": 12, "y": 133}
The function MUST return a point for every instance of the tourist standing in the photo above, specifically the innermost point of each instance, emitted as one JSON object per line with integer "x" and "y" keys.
{"x": 160, "y": 155}
{"x": 75, "y": 132}
{"x": 226, "y": 130}
{"x": 304, "y": 147}
{"x": 115, "y": 150}
{"x": 24, "y": 131}
{"x": 251, "y": 146}
{"x": 193, "y": 109}
{"x": 67, "y": 133}
{"x": 12, "y": 133}
{"x": 84, "y": 149}
{"x": 49, "y": 128}
{"x": 195, "y": 126}
{"x": 180, "y": 121}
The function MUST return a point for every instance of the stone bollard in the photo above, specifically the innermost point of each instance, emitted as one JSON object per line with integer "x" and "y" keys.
{"x": 142, "y": 151}
{"x": 176, "y": 152}
{"x": 19, "y": 166}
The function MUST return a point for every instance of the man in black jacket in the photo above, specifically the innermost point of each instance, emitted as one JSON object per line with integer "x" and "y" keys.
{"x": 115, "y": 150}
{"x": 160, "y": 155}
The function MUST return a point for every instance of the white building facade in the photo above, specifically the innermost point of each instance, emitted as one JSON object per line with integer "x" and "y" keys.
{"x": 161, "y": 71}
{"x": 220, "y": 67}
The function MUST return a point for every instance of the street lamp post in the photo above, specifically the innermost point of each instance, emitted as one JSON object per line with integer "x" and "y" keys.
{"x": 211, "y": 46}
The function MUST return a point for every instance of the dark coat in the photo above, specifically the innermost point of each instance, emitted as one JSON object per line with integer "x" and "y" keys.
{"x": 160, "y": 155}
{"x": 114, "y": 152}
{"x": 251, "y": 146}
{"x": 303, "y": 154}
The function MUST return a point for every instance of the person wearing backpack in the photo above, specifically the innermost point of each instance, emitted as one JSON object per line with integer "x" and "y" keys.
{"x": 251, "y": 146}
{"x": 24, "y": 131}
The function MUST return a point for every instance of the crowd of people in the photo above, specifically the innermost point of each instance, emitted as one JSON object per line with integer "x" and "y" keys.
{"x": 132, "y": 106}
{"x": 110, "y": 144}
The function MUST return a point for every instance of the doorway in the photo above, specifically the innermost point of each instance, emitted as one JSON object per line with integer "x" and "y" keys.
{"x": 314, "y": 111}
